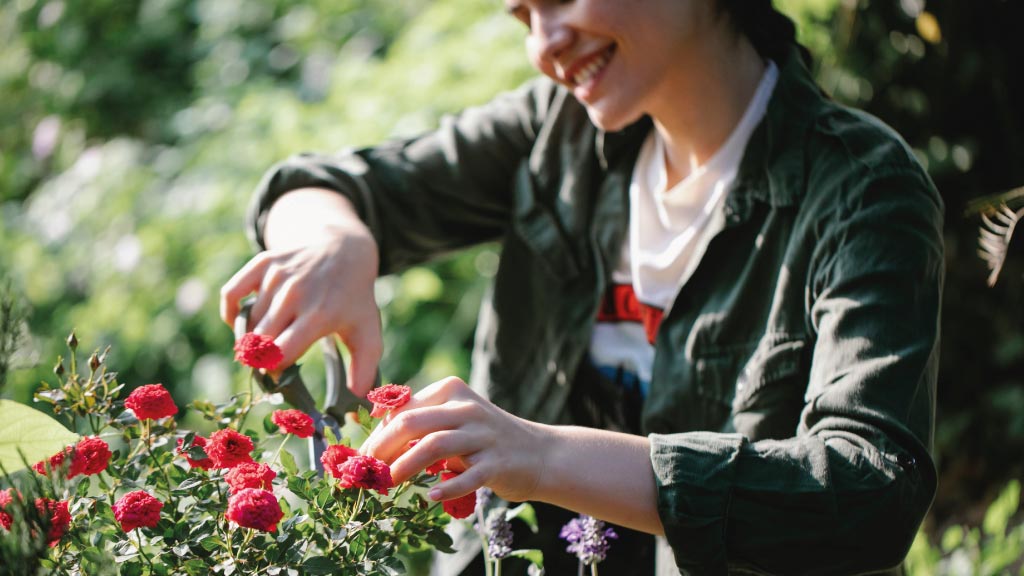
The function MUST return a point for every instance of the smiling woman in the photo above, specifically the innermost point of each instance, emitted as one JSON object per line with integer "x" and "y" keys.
{"x": 716, "y": 313}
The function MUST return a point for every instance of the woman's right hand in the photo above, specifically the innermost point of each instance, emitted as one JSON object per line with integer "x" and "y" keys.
{"x": 315, "y": 279}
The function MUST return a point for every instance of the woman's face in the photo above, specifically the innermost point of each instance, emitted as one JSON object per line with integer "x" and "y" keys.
{"x": 620, "y": 58}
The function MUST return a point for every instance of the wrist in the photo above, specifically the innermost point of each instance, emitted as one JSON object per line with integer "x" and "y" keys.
{"x": 309, "y": 216}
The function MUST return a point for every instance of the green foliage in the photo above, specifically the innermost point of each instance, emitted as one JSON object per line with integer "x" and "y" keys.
{"x": 327, "y": 528}
{"x": 10, "y": 328}
{"x": 28, "y": 435}
{"x": 996, "y": 548}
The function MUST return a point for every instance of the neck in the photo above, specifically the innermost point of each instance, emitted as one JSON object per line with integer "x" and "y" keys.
{"x": 702, "y": 103}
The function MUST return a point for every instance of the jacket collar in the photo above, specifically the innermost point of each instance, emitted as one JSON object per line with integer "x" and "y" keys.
{"x": 772, "y": 169}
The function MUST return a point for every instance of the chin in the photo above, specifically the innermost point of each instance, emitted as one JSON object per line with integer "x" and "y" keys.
{"x": 611, "y": 121}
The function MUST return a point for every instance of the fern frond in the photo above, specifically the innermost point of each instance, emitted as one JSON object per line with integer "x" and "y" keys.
{"x": 994, "y": 238}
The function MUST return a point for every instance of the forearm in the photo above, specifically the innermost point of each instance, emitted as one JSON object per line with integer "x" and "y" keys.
{"x": 607, "y": 475}
{"x": 308, "y": 216}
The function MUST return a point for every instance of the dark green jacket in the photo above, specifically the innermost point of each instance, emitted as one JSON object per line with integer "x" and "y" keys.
{"x": 792, "y": 401}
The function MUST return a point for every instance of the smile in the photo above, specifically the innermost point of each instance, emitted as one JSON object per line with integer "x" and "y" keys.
{"x": 588, "y": 72}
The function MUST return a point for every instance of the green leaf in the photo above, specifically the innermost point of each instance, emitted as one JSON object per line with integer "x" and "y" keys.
{"x": 1002, "y": 509}
{"x": 329, "y": 436}
{"x": 365, "y": 420}
{"x": 319, "y": 565}
{"x": 288, "y": 461}
{"x": 534, "y": 556}
{"x": 35, "y": 434}
{"x": 212, "y": 543}
{"x": 526, "y": 513}
{"x": 268, "y": 424}
{"x": 440, "y": 540}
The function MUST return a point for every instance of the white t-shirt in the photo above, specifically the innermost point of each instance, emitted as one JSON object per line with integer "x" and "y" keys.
{"x": 658, "y": 253}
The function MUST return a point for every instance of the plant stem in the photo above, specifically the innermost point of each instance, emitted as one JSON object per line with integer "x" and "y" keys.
{"x": 278, "y": 453}
{"x": 160, "y": 467}
{"x": 580, "y": 571}
{"x": 497, "y": 567}
{"x": 142, "y": 552}
{"x": 593, "y": 569}
{"x": 481, "y": 531}
{"x": 248, "y": 401}
{"x": 357, "y": 507}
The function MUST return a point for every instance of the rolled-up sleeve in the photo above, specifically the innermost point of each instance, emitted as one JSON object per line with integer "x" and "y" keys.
{"x": 848, "y": 492}
{"x": 427, "y": 195}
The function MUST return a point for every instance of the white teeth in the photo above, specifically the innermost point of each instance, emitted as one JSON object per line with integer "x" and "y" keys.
{"x": 588, "y": 71}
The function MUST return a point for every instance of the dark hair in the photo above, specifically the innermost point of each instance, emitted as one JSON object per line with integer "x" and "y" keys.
{"x": 771, "y": 32}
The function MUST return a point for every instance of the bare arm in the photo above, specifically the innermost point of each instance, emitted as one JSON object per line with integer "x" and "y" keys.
{"x": 607, "y": 475}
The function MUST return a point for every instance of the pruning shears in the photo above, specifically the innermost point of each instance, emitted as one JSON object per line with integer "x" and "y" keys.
{"x": 338, "y": 398}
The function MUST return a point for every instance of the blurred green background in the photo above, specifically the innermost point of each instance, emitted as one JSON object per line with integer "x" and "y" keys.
{"x": 132, "y": 132}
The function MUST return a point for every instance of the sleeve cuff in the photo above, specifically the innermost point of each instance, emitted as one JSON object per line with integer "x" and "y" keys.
{"x": 694, "y": 473}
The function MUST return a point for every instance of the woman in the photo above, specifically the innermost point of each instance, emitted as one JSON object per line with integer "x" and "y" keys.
{"x": 716, "y": 315}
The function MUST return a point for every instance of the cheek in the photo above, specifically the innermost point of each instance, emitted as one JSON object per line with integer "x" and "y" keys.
{"x": 540, "y": 64}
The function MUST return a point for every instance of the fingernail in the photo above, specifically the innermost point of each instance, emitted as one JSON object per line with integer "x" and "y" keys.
{"x": 434, "y": 494}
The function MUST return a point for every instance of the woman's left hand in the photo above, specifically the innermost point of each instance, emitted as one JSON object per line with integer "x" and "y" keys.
{"x": 489, "y": 446}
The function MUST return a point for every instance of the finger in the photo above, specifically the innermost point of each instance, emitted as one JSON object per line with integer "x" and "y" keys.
{"x": 458, "y": 486}
{"x": 433, "y": 447}
{"x": 243, "y": 283}
{"x": 280, "y": 311}
{"x": 391, "y": 439}
{"x": 434, "y": 394}
{"x": 295, "y": 339}
{"x": 366, "y": 348}
{"x": 270, "y": 290}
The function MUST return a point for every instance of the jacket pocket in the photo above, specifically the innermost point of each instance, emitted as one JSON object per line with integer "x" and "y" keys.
{"x": 770, "y": 388}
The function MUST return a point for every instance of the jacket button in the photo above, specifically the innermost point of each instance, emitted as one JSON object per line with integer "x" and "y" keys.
{"x": 906, "y": 461}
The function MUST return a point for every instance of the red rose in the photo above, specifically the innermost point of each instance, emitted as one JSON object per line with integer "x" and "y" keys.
{"x": 254, "y": 508}
{"x": 294, "y": 422}
{"x": 228, "y": 448}
{"x": 203, "y": 463}
{"x": 137, "y": 509}
{"x": 366, "y": 472}
{"x": 91, "y": 456}
{"x": 5, "y": 518}
{"x": 387, "y": 398}
{"x": 334, "y": 456}
{"x": 461, "y": 507}
{"x": 249, "y": 475}
{"x": 52, "y": 463}
{"x": 60, "y": 518}
{"x": 435, "y": 468}
{"x": 258, "y": 351}
{"x": 151, "y": 401}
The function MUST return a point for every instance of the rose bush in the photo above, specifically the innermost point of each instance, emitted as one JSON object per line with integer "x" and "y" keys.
{"x": 139, "y": 495}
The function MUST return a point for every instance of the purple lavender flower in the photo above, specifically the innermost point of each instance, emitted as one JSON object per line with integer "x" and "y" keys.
{"x": 499, "y": 534}
{"x": 588, "y": 538}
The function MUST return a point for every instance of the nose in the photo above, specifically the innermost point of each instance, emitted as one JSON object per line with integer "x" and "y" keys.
{"x": 549, "y": 36}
